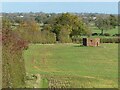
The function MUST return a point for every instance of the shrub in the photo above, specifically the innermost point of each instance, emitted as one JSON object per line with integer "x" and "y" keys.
{"x": 116, "y": 35}
{"x": 64, "y": 37}
{"x": 106, "y": 34}
{"x": 44, "y": 37}
{"x": 76, "y": 39}
{"x": 47, "y": 37}
{"x": 110, "y": 40}
{"x": 13, "y": 67}
{"x": 95, "y": 34}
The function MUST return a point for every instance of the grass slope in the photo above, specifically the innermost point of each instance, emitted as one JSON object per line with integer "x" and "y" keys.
{"x": 72, "y": 65}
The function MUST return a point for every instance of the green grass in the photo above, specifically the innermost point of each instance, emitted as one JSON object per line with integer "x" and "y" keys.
{"x": 111, "y": 31}
{"x": 44, "y": 83}
{"x": 72, "y": 65}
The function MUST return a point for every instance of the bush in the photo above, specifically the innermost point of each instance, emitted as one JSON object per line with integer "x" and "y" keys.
{"x": 13, "y": 67}
{"x": 106, "y": 34}
{"x": 116, "y": 35}
{"x": 76, "y": 39}
{"x": 110, "y": 40}
{"x": 47, "y": 37}
{"x": 64, "y": 37}
{"x": 44, "y": 37}
{"x": 95, "y": 34}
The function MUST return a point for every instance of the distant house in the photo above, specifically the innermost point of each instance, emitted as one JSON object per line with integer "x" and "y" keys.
{"x": 94, "y": 18}
{"x": 21, "y": 16}
{"x": 91, "y": 42}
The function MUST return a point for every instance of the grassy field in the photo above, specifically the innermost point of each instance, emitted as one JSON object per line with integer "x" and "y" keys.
{"x": 111, "y": 31}
{"x": 72, "y": 65}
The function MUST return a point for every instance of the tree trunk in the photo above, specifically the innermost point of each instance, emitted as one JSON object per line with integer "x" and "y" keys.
{"x": 102, "y": 32}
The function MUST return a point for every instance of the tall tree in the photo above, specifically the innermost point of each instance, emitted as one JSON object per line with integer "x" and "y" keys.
{"x": 103, "y": 24}
{"x": 113, "y": 21}
{"x": 75, "y": 23}
{"x": 28, "y": 29}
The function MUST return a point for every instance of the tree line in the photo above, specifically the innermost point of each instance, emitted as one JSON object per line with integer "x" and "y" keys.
{"x": 61, "y": 29}
{"x": 49, "y": 28}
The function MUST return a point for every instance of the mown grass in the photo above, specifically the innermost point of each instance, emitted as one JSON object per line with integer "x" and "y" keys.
{"x": 74, "y": 65}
